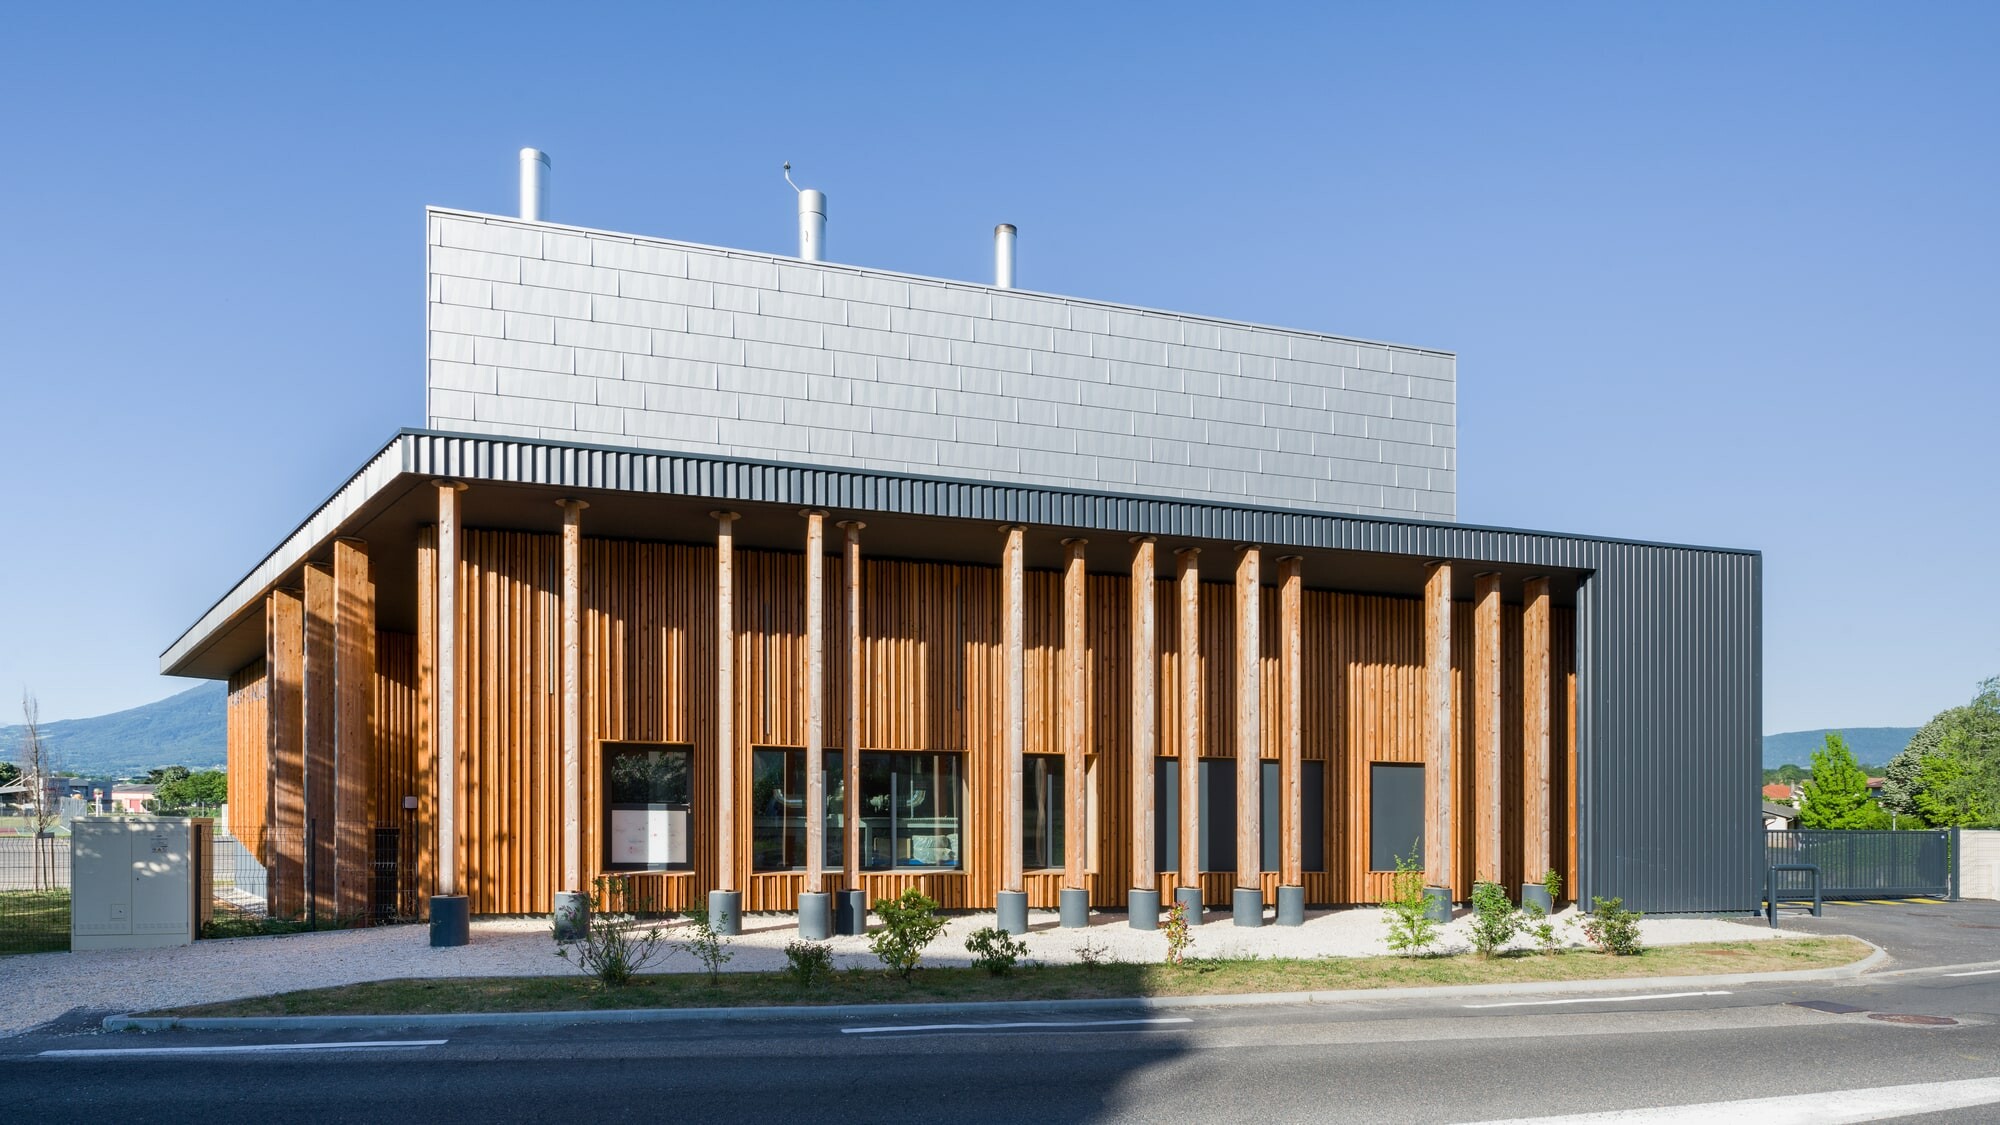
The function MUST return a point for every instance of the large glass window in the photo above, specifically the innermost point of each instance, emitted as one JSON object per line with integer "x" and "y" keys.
{"x": 778, "y": 809}
{"x": 1042, "y": 810}
{"x": 648, "y": 788}
{"x": 911, "y": 811}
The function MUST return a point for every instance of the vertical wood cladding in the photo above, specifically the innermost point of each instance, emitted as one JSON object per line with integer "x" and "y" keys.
{"x": 248, "y": 762}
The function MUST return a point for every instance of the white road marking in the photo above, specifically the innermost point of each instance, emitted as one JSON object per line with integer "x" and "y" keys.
{"x": 1596, "y": 1000}
{"x": 1980, "y": 973}
{"x": 998, "y": 1026}
{"x": 369, "y": 1045}
{"x": 1836, "y": 1107}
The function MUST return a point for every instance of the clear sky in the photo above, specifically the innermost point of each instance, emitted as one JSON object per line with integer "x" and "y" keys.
{"x": 1715, "y": 274}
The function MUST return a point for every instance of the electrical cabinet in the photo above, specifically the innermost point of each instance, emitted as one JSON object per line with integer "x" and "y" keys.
{"x": 138, "y": 883}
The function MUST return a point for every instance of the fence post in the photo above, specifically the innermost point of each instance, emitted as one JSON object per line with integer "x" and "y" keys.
{"x": 1952, "y": 858}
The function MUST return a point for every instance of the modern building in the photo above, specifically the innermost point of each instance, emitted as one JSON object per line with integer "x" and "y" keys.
{"x": 706, "y": 556}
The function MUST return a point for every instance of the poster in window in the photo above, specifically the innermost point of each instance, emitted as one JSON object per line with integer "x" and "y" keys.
{"x": 651, "y": 837}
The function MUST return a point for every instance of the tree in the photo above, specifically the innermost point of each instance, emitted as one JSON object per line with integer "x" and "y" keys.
{"x": 37, "y": 770}
{"x": 1955, "y": 785}
{"x": 207, "y": 789}
{"x": 1836, "y": 796}
{"x": 1978, "y": 723}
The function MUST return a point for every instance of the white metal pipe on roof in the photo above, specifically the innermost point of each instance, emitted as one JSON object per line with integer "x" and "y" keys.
{"x": 1003, "y": 256}
{"x": 534, "y": 184}
{"x": 812, "y": 225}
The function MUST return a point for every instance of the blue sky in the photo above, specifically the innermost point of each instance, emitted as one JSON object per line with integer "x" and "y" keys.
{"x": 1715, "y": 274}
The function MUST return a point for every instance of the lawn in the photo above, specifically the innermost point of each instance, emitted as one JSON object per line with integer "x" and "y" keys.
{"x": 34, "y": 921}
{"x": 1060, "y": 982}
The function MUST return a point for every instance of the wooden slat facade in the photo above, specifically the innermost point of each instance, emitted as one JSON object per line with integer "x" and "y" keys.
{"x": 248, "y": 765}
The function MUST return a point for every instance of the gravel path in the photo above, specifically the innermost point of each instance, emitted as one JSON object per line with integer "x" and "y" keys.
{"x": 38, "y": 987}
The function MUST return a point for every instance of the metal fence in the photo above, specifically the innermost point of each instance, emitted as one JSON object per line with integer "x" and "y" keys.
{"x": 1863, "y": 863}
{"x": 34, "y": 893}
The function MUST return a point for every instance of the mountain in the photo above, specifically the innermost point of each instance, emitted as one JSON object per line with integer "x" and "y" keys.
{"x": 188, "y": 729}
{"x": 1872, "y": 746}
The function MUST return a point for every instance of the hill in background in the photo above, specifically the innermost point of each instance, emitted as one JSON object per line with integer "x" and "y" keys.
{"x": 1872, "y": 746}
{"x": 189, "y": 729}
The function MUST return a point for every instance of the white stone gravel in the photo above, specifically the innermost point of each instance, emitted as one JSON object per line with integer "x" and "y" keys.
{"x": 38, "y": 987}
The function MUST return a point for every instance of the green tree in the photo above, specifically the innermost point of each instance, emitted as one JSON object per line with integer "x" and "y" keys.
{"x": 1955, "y": 785}
{"x": 9, "y": 773}
{"x": 1836, "y": 796}
{"x": 206, "y": 789}
{"x": 1977, "y": 723}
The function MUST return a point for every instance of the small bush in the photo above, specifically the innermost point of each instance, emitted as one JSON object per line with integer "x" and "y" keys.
{"x": 612, "y": 950}
{"x": 1494, "y": 922}
{"x": 707, "y": 944}
{"x": 1094, "y": 955}
{"x": 1552, "y": 882}
{"x": 996, "y": 952}
{"x": 809, "y": 963}
{"x": 909, "y": 924}
{"x": 1412, "y": 930}
{"x": 1175, "y": 929}
{"x": 1612, "y": 928}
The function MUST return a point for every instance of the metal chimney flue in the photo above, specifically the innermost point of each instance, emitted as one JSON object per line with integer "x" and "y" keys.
{"x": 534, "y": 184}
{"x": 1003, "y": 256}
{"x": 812, "y": 220}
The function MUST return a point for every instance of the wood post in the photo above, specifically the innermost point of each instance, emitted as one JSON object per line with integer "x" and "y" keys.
{"x": 572, "y": 699}
{"x": 354, "y": 729}
{"x": 1014, "y": 632}
{"x": 815, "y": 701}
{"x": 1075, "y": 717}
{"x": 447, "y": 673}
{"x": 1291, "y": 720}
{"x": 284, "y": 663}
{"x": 850, "y": 812}
{"x": 1437, "y": 726}
{"x": 725, "y": 700}
{"x": 1187, "y": 564}
{"x": 1249, "y": 719}
{"x": 320, "y": 722}
{"x": 1145, "y": 717}
{"x": 1486, "y": 726}
{"x": 1535, "y": 727}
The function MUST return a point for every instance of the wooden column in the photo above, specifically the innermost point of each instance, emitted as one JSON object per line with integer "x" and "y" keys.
{"x": 1188, "y": 573}
{"x": 1013, "y": 632}
{"x": 1145, "y": 731}
{"x": 354, "y": 728}
{"x": 1249, "y": 719}
{"x": 423, "y": 827}
{"x": 1437, "y": 726}
{"x": 1291, "y": 719}
{"x": 284, "y": 662}
{"x": 1535, "y": 727}
{"x": 320, "y": 709}
{"x": 850, "y": 761}
{"x": 725, "y": 700}
{"x": 1486, "y": 725}
{"x": 1075, "y": 717}
{"x": 447, "y": 673}
{"x": 815, "y": 701}
{"x": 572, "y": 693}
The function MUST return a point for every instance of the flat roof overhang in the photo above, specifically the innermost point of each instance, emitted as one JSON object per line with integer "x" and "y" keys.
{"x": 664, "y": 496}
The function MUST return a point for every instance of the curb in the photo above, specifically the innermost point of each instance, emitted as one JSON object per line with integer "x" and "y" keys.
{"x": 128, "y": 1022}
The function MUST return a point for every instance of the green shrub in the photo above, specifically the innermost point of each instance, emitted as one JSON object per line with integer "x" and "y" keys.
{"x": 707, "y": 944}
{"x": 1175, "y": 929}
{"x": 1094, "y": 955}
{"x": 909, "y": 924}
{"x": 1612, "y": 928}
{"x": 1494, "y": 922}
{"x": 1412, "y": 930}
{"x": 996, "y": 952}
{"x": 612, "y": 949}
{"x": 809, "y": 963}
{"x": 1552, "y": 883}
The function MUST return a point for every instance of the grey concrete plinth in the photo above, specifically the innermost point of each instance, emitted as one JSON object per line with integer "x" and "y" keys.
{"x": 725, "y": 912}
{"x": 1075, "y": 903}
{"x": 1437, "y": 904}
{"x": 815, "y": 915}
{"x": 1534, "y": 895}
{"x": 1143, "y": 907}
{"x": 850, "y": 912}
{"x": 1247, "y": 904}
{"x": 571, "y": 915}
{"x": 451, "y": 921}
{"x": 1189, "y": 899}
{"x": 1012, "y": 910}
{"x": 1291, "y": 906}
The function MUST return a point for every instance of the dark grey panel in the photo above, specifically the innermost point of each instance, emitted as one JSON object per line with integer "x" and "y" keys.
{"x": 1395, "y": 813}
{"x": 1312, "y": 823}
{"x": 1218, "y": 814}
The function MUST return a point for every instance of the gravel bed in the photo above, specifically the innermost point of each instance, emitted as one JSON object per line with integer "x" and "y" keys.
{"x": 38, "y": 987}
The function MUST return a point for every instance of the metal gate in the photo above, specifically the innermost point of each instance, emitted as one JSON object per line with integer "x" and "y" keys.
{"x": 1863, "y": 863}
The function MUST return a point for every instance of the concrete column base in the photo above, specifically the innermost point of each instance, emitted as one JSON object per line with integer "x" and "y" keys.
{"x": 725, "y": 912}
{"x": 1012, "y": 910}
{"x": 850, "y": 912}
{"x": 1536, "y": 895}
{"x": 1437, "y": 904}
{"x": 1075, "y": 903}
{"x": 451, "y": 921}
{"x": 815, "y": 915}
{"x": 1189, "y": 898}
{"x": 1291, "y": 906}
{"x": 1247, "y": 904}
{"x": 571, "y": 915}
{"x": 1143, "y": 909}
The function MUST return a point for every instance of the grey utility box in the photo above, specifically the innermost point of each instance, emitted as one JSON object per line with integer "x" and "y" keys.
{"x": 138, "y": 883}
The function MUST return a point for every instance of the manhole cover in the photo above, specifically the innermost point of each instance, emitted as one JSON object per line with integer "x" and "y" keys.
{"x": 1913, "y": 1021}
{"x": 1828, "y": 1006}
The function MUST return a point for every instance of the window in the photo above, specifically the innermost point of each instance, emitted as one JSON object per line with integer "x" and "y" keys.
{"x": 1395, "y": 813}
{"x": 1312, "y": 816}
{"x": 1042, "y": 810}
{"x": 778, "y": 809}
{"x": 1218, "y": 824}
{"x": 647, "y": 791}
{"x": 911, "y": 811}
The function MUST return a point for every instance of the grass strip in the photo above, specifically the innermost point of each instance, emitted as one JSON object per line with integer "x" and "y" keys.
{"x": 418, "y": 996}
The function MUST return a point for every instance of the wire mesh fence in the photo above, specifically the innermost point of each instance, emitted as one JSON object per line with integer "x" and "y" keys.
{"x": 34, "y": 892}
